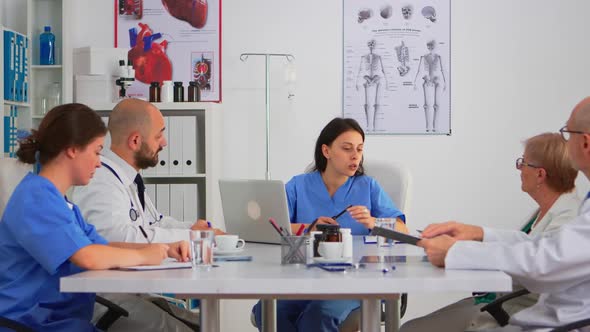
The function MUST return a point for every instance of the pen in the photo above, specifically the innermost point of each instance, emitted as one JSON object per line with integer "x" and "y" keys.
{"x": 300, "y": 230}
{"x": 275, "y": 226}
{"x": 341, "y": 212}
{"x": 144, "y": 234}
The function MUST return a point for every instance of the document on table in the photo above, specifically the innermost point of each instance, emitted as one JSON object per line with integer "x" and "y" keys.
{"x": 167, "y": 264}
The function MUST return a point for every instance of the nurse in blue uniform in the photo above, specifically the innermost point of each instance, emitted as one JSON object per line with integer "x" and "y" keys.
{"x": 335, "y": 181}
{"x": 43, "y": 237}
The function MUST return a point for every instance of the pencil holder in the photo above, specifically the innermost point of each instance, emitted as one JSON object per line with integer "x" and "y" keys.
{"x": 294, "y": 249}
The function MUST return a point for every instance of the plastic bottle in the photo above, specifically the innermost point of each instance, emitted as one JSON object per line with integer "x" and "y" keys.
{"x": 178, "y": 92}
{"x": 194, "y": 92}
{"x": 47, "y": 47}
{"x": 346, "y": 242}
{"x": 155, "y": 92}
{"x": 167, "y": 93}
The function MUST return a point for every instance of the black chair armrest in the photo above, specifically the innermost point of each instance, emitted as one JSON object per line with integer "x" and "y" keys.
{"x": 572, "y": 326}
{"x": 113, "y": 313}
{"x": 495, "y": 308}
{"x": 14, "y": 325}
{"x": 403, "y": 305}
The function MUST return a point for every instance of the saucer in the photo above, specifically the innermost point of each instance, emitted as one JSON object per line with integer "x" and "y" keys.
{"x": 335, "y": 260}
{"x": 235, "y": 251}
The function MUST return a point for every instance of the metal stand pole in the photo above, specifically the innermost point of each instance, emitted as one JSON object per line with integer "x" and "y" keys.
{"x": 289, "y": 57}
{"x": 210, "y": 315}
{"x": 269, "y": 316}
{"x": 371, "y": 315}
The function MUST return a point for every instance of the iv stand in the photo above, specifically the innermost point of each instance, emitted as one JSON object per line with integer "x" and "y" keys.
{"x": 289, "y": 57}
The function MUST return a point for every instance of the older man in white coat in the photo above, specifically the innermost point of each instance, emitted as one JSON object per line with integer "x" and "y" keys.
{"x": 116, "y": 203}
{"x": 556, "y": 265}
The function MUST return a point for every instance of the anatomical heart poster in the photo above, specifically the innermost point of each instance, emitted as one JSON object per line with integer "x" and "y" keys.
{"x": 397, "y": 65}
{"x": 171, "y": 40}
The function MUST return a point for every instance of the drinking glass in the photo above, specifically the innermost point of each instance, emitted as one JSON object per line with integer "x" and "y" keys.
{"x": 201, "y": 247}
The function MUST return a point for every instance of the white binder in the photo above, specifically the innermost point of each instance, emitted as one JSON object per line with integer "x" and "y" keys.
{"x": 162, "y": 168}
{"x": 191, "y": 202}
{"x": 189, "y": 145}
{"x": 176, "y": 201}
{"x": 175, "y": 143}
{"x": 163, "y": 199}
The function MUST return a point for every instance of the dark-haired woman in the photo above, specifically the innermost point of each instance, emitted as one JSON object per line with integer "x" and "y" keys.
{"x": 335, "y": 181}
{"x": 43, "y": 237}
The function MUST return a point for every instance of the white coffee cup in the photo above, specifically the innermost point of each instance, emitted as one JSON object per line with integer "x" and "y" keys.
{"x": 330, "y": 250}
{"x": 229, "y": 242}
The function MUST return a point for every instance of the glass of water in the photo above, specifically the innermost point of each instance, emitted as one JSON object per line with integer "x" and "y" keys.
{"x": 388, "y": 223}
{"x": 201, "y": 248}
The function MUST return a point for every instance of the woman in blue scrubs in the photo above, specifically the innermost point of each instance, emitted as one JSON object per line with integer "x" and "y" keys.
{"x": 43, "y": 237}
{"x": 336, "y": 181}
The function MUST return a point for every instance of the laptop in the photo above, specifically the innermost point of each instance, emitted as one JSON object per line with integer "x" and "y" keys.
{"x": 248, "y": 204}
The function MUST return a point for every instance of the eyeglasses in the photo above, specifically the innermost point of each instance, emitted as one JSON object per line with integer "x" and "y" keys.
{"x": 565, "y": 134}
{"x": 520, "y": 162}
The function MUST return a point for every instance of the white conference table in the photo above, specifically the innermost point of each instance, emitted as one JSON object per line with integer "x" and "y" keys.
{"x": 267, "y": 279}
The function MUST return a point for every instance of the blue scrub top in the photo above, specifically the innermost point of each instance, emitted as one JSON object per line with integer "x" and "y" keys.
{"x": 39, "y": 232}
{"x": 309, "y": 199}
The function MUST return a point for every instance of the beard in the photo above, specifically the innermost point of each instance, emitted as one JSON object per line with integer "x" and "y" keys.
{"x": 144, "y": 158}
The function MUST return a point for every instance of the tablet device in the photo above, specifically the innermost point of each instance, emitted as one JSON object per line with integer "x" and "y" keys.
{"x": 393, "y": 259}
{"x": 391, "y": 234}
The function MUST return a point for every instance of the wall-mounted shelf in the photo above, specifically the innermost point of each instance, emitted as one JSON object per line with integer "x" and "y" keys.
{"x": 170, "y": 176}
{"x": 46, "y": 67}
{"x": 16, "y": 103}
{"x": 162, "y": 106}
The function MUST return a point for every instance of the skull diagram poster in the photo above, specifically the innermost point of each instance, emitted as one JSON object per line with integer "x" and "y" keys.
{"x": 171, "y": 40}
{"x": 396, "y": 66}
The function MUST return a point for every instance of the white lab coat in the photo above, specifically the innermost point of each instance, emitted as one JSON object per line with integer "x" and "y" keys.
{"x": 555, "y": 264}
{"x": 105, "y": 203}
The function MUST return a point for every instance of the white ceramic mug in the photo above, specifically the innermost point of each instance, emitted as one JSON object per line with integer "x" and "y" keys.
{"x": 330, "y": 250}
{"x": 229, "y": 242}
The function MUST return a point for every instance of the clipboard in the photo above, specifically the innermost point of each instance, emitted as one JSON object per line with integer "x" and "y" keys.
{"x": 167, "y": 264}
{"x": 391, "y": 234}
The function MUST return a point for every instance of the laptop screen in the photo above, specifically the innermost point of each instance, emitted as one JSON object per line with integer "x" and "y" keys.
{"x": 247, "y": 206}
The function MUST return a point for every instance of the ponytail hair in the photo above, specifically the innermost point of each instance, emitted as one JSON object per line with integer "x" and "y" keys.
{"x": 65, "y": 126}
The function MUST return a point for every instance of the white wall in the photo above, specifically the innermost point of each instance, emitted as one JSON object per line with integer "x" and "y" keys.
{"x": 517, "y": 70}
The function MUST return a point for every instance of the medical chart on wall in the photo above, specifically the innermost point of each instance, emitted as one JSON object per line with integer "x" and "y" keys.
{"x": 171, "y": 40}
{"x": 396, "y": 59}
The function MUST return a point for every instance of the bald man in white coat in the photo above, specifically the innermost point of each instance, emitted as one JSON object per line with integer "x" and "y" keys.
{"x": 116, "y": 203}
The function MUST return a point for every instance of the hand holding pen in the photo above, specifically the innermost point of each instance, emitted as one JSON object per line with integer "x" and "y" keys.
{"x": 326, "y": 220}
{"x": 204, "y": 225}
{"x": 362, "y": 214}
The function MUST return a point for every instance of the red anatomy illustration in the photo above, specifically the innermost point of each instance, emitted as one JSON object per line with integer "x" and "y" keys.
{"x": 192, "y": 11}
{"x": 131, "y": 7}
{"x": 149, "y": 58}
{"x": 202, "y": 73}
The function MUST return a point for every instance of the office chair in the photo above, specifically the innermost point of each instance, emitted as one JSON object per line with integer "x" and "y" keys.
{"x": 113, "y": 313}
{"x": 502, "y": 317}
{"x": 396, "y": 181}
{"x": 14, "y": 325}
{"x": 11, "y": 173}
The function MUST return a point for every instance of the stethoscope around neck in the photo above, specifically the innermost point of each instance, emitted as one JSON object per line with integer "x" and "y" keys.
{"x": 133, "y": 212}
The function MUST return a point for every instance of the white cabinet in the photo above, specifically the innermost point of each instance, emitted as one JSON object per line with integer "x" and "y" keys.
{"x": 186, "y": 177}
{"x": 29, "y": 17}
